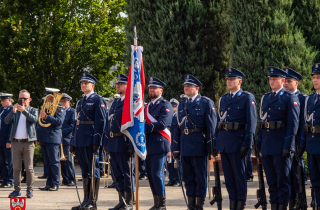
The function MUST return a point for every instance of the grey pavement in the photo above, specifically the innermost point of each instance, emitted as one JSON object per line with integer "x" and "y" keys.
{"x": 66, "y": 197}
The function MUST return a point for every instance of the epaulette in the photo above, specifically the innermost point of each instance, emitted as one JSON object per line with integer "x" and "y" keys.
{"x": 246, "y": 92}
{"x": 312, "y": 94}
{"x": 303, "y": 94}
{"x": 205, "y": 97}
{"x": 288, "y": 92}
{"x": 268, "y": 93}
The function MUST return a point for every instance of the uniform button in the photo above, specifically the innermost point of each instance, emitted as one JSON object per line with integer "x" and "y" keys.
{"x": 228, "y": 108}
{"x": 268, "y": 115}
{"x": 268, "y": 130}
{"x": 312, "y": 136}
{"x": 314, "y": 111}
{"x": 279, "y": 107}
{"x": 269, "y": 109}
{"x": 228, "y": 115}
{"x": 77, "y": 128}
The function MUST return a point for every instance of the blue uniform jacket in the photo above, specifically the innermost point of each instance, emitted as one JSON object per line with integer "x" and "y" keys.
{"x": 119, "y": 143}
{"x": 202, "y": 113}
{"x": 283, "y": 107}
{"x": 53, "y": 133}
{"x": 87, "y": 135}
{"x": 161, "y": 111}
{"x": 302, "y": 99}
{"x": 241, "y": 109}
{"x": 312, "y": 112}
{"x": 67, "y": 126}
{"x": 4, "y": 128}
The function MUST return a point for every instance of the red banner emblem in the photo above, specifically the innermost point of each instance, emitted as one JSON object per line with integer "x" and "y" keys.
{"x": 18, "y": 203}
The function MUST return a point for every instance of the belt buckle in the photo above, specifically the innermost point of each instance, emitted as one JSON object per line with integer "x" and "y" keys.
{"x": 267, "y": 125}
{"x": 313, "y": 129}
{"x": 111, "y": 134}
{"x": 225, "y": 126}
{"x": 78, "y": 122}
{"x": 186, "y": 131}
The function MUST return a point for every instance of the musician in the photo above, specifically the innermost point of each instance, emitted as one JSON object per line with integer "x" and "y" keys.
{"x": 87, "y": 137}
{"x": 67, "y": 128}
{"x": 50, "y": 139}
{"x": 159, "y": 111}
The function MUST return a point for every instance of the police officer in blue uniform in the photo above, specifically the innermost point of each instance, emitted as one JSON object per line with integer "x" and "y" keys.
{"x": 310, "y": 139}
{"x": 291, "y": 84}
{"x": 5, "y": 143}
{"x": 158, "y": 146}
{"x": 67, "y": 128}
{"x": 237, "y": 119}
{"x": 87, "y": 139}
{"x": 193, "y": 138}
{"x": 173, "y": 172}
{"x": 50, "y": 140}
{"x": 120, "y": 148}
{"x": 278, "y": 126}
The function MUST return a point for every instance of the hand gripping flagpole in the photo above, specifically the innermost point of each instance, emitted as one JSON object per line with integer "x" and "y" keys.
{"x": 136, "y": 156}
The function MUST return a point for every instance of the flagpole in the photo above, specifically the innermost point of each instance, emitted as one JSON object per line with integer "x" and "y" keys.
{"x": 136, "y": 156}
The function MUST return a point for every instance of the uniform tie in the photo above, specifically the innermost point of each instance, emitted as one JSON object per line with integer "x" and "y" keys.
{"x": 189, "y": 100}
{"x": 273, "y": 94}
{"x": 230, "y": 96}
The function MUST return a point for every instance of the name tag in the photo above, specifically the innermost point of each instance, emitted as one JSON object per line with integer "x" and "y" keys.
{"x": 89, "y": 104}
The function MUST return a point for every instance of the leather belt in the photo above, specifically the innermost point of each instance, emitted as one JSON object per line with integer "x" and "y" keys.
{"x": 273, "y": 125}
{"x": 311, "y": 129}
{"x": 115, "y": 134}
{"x": 79, "y": 122}
{"x": 231, "y": 126}
{"x": 191, "y": 130}
{"x": 20, "y": 140}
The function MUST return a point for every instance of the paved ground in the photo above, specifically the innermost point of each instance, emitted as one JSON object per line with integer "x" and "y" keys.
{"x": 66, "y": 197}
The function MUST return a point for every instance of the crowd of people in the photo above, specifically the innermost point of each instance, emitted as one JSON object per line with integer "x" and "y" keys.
{"x": 289, "y": 125}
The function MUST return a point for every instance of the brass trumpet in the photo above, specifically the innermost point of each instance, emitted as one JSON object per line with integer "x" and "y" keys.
{"x": 50, "y": 107}
{"x": 61, "y": 154}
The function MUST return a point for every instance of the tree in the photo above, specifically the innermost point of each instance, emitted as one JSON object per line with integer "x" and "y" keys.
{"x": 263, "y": 34}
{"x": 307, "y": 17}
{"x": 50, "y": 43}
{"x": 181, "y": 37}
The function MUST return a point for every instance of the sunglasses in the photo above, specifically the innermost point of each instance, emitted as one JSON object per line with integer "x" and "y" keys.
{"x": 23, "y": 99}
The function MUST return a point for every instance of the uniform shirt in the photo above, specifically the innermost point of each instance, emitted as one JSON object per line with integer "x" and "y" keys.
{"x": 234, "y": 93}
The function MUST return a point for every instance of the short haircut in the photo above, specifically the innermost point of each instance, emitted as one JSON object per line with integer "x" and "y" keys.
{"x": 24, "y": 91}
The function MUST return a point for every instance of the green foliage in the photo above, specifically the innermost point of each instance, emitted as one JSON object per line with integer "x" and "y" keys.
{"x": 50, "y": 43}
{"x": 305, "y": 161}
{"x": 181, "y": 37}
{"x": 263, "y": 34}
{"x": 307, "y": 17}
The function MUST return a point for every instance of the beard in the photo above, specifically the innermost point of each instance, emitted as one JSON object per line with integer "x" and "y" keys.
{"x": 154, "y": 95}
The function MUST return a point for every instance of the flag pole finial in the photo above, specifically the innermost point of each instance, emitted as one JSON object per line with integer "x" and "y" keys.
{"x": 135, "y": 36}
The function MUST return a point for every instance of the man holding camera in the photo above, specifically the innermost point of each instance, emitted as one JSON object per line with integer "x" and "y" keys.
{"x": 23, "y": 118}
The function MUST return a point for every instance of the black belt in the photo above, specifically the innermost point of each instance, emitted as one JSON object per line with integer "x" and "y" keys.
{"x": 231, "y": 126}
{"x": 192, "y": 130}
{"x": 273, "y": 125}
{"x": 79, "y": 122}
{"x": 115, "y": 134}
{"x": 20, "y": 140}
{"x": 311, "y": 129}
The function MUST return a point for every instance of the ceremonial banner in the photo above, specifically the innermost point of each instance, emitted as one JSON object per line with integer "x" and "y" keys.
{"x": 18, "y": 203}
{"x": 132, "y": 124}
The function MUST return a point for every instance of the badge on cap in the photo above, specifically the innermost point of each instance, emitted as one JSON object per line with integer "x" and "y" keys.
{"x": 317, "y": 65}
{"x": 229, "y": 69}
{"x": 84, "y": 74}
{"x": 187, "y": 76}
{"x": 151, "y": 79}
{"x": 271, "y": 69}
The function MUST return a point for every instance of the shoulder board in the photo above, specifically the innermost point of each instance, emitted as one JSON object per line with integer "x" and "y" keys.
{"x": 267, "y": 93}
{"x": 205, "y": 97}
{"x": 312, "y": 94}
{"x": 303, "y": 94}
{"x": 246, "y": 92}
{"x": 288, "y": 92}
{"x": 164, "y": 100}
